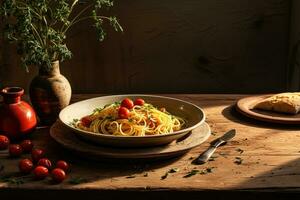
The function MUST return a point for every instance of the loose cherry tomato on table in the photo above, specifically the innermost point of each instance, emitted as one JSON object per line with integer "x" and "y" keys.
{"x": 62, "y": 165}
{"x": 123, "y": 113}
{"x": 58, "y": 175}
{"x": 45, "y": 162}
{"x": 139, "y": 102}
{"x": 25, "y": 166}
{"x": 27, "y": 145}
{"x": 40, "y": 172}
{"x": 86, "y": 121}
{"x": 15, "y": 150}
{"x": 4, "y": 142}
{"x": 127, "y": 103}
{"x": 37, "y": 154}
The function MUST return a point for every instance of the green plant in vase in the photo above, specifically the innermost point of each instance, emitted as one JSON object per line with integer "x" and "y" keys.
{"x": 39, "y": 28}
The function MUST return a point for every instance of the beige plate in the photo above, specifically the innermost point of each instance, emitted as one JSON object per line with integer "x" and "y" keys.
{"x": 67, "y": 139}
{"x": 245, "y": 106}
{"x": 193, "y": 115}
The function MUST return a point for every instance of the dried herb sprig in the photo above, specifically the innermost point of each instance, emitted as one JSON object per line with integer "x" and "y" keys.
{"x": 39, "y": 27}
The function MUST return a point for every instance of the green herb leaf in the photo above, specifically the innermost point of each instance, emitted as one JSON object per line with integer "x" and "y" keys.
{"x": 238, "y": 160}
{"x": 191, "y": 173}
{"x": 39, "y": 27}
{"x": 240, "y": 150}
{"x": 77, "y": 180}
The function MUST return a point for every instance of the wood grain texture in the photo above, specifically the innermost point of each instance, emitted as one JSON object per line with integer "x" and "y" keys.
{"x": 172, "y": 46}
{"x": 269, "y": 152}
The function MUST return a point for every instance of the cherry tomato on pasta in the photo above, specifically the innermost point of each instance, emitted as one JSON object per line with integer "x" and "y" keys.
{"x": 139, "y": 102}
{"x": 86, "y": 121}
{"x": 127, "y": 103}
{"x": 123, "y": 113}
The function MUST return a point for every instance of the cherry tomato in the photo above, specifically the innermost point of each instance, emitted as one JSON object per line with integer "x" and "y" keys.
{"x": 62, "y": 165}
{"x": 139, "y": 102}
{"x": 127, "y": 103}
{"x": 37, "y": 154}
{"x": 58, "y": 175}
{"x": 25, "y": 166}
{"x": 123, "y": 113}
{"x": 45, "y": 162}
{"x": 15, "y": 150}
{"x": 40, "y": 172}
{"x": 4, "y": 142}
{"x": 27, "y": 145}
{"x": 86, "y": 121}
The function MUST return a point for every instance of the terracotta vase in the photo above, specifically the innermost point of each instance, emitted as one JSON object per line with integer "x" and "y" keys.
{"x": 17, "y": 118}
{"x": 49, "y": 93}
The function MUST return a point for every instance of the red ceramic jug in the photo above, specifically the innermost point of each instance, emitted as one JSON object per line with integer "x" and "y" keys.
{"x": 17, "y": 118}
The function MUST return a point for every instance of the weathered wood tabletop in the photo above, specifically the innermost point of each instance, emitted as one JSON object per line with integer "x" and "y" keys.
{"x": 262, "y": 157}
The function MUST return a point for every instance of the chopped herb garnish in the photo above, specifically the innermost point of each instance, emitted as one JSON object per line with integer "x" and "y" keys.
{"x": 77, "y": 180}
{"x": 97, "y": 110}
{"x": 108, "y": 117}
{"x": 74, "y": 122}
{"x": 238, "y": 160}
{"x": 130, "y": 120}
{"x": 213, "y": 134}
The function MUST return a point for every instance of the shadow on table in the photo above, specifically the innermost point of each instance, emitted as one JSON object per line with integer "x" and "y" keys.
{"x": 105, "y": 168}
{"x": 232, "y": 114}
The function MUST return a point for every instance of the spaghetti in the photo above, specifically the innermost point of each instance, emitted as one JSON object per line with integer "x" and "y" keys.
{"x": 130, "y": 119}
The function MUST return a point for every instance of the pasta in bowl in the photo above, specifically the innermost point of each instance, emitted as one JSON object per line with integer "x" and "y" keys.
{"x": 132, "y": 120}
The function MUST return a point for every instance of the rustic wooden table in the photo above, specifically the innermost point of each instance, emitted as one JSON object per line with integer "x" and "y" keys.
{"x": 263, "y": 159}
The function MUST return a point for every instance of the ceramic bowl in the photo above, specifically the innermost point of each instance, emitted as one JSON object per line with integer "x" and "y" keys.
{"x": 193, "y": 115}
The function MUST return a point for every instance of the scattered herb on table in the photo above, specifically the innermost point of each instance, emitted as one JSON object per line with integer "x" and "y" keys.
{"x": 170, "y": 171}
{"x": 145, "y": 175}
{"x": 212, "y": 158}
{"x": 213, "y": 133}
{"x": 238, "y": 160}
{"x": 196, "y": 171}
{"x": 240, "y": 150}
{"x": 191, "y": 173}
{"x": 15, "y": 181}
{"x": 77, "y": 180}
{"x": 131, "y": 176}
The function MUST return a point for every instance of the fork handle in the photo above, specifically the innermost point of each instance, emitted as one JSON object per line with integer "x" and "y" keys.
{"x": 203, "y": 158}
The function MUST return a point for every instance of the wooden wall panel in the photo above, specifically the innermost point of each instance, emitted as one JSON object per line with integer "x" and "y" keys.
{"x": 169, "y": 46}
